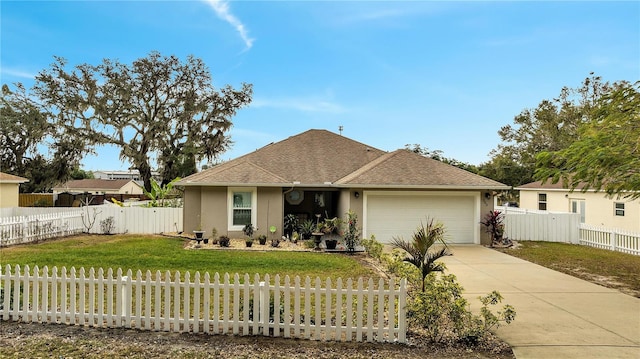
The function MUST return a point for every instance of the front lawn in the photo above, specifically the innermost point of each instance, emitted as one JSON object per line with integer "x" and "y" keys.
{"x": 608, "y": 268}
{"x": 163, "y": 253}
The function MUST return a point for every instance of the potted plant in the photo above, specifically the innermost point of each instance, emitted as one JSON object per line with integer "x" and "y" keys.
{"x": 248, "y": 231}
{"x": 331, "y": 225}
{"x": 199, "y": 233}
{"x": 262, "y": 239}
{"x": 317, "y": 234}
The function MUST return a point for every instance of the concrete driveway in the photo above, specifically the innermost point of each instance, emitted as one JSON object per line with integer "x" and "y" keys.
{"x": 558, "y": 316}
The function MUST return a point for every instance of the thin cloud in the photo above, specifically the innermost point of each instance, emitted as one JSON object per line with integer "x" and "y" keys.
{"x": 17, "y": 73}
{"x": 300, "y": 104}
{"x": 221, "y": 8}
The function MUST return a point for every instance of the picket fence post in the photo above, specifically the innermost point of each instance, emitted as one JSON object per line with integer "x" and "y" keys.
{"x": 613, "y": 240}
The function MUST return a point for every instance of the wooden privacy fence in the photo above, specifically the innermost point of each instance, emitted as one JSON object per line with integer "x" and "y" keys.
{"x": 35, "y": 199}
{"x": 609, "y": 238}
{"x": 344, "y": 311}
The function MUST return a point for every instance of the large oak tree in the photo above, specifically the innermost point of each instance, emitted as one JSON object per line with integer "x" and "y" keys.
{"x": 30, "y": 146}
{"x": 605, "y": 154}
{"x": 551, "y": 126}
{"x": 158, "y": 108}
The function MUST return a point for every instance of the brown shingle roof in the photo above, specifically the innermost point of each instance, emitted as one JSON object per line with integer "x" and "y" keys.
{"x": 96, "y": 184}
{"x": 312, "y": 157}
{"x": 547, "y": 185}
{"x": 406, "y": 168}
{"x": 7, "y": 178}
{"x": 320, "y": 157}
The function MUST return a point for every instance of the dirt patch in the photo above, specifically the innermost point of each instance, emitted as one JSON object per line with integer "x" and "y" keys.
{"x": 605, "y": 281}
{"x": 21, "y": 340}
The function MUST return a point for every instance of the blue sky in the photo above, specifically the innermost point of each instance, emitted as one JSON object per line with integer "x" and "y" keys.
{"x": 446, "y": 75}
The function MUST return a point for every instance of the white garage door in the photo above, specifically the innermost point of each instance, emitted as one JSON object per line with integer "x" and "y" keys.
{"x": 388, "y": 215}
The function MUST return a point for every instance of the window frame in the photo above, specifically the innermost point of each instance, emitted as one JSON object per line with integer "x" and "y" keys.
{"x": 617, "y": 211}
{"x": 542, "y": 202}
{"x": 230, "y": 206}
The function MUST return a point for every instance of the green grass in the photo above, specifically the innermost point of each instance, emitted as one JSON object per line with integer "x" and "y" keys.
{"x": 611, "y": 269}
{"x": 164, "y": 253}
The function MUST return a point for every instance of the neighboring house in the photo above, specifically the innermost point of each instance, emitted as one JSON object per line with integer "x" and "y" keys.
{"x": 320, "y": 173}
{"x": 116, "y": 175}
{"x": 595, "y": 208}
{"x": 9, "y": 189}
{"x": 100, "y": 186}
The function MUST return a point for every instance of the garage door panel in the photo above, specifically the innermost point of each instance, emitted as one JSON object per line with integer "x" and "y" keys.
{"x": 400, "y": 215}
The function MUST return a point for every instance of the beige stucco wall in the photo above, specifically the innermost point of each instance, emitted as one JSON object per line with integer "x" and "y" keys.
{"x": 192, "y": 208}
{"x": 213, "y": 204}
{"x": 599, "y": 210}
{"x": 270, "y": 209}
{"x": 9, "y": 194}
{"x": 208, "y": 206}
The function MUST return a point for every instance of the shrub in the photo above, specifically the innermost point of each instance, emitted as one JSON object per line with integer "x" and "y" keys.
{"x": 291, "y": 224}
{"x": 439, "y": 310}
{"x": 494, "y": 225}
{"x": 351, "y": 232}
{"x": 214, "y": 235}
{"x": 248, "y": 230}
{"x": 373, "y": 247}
{"x": 419, "y": 251}
{"x": 107, "y": 225}
{"x": 224, "y": 241}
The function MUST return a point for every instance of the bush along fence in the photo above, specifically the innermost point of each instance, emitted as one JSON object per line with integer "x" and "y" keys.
{"x": 346, "y": 311}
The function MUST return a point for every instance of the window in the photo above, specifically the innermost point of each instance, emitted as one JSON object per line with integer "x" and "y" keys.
{"x": 542, "y": 201}
{"x": 242, "y": 207}
{"x": 619, "y": 208}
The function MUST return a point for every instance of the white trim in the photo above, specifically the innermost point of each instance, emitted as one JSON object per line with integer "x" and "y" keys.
{"x": 474, "y": 195}
{"x": 254, "y": 206}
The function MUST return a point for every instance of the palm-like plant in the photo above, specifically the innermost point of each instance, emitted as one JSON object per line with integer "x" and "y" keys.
{"x": 418, "y": 249}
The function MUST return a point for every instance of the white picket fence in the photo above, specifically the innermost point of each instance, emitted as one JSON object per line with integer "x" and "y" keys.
{"x": 25, "y": 229}
{"x": 35, "y": 224}
{"x": 164, "y": 302}
{"x": 531, "y": 225}
{"x": 610, "y": 238}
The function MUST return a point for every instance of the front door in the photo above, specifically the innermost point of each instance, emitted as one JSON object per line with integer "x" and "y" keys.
{"x": 578, "y": 206}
